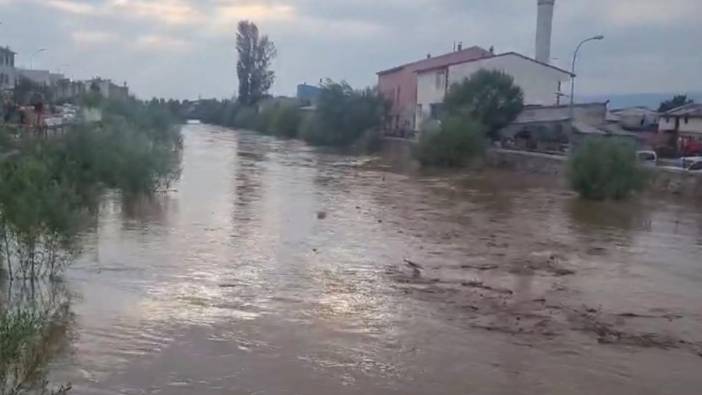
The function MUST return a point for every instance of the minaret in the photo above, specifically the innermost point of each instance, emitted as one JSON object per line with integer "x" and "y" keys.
{"x": 543, "y": 30}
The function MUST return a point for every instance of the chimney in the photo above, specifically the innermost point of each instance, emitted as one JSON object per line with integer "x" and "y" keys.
{"x": 460, "y": 46}
{"x": 544, "y": 25}
{"x": 428, "y": 56}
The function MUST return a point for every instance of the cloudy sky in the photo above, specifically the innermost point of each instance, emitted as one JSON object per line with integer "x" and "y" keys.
{"x": 185, "y": 48}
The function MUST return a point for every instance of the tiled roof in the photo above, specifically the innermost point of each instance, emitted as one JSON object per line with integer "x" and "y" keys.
{"x": 425, "y": 69}
{"x": 442, "y": 60}
{"x": 688, "y": 110}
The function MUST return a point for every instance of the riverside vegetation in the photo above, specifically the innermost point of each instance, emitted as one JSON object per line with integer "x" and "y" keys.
{"x": 473, "y": 112}
{"x": 49, "y": 190}
{"x": 343, "y": 117}
{"x": 605, "y": 168}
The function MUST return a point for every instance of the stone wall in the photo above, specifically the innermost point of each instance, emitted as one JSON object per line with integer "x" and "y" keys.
{"x": 678, "y": 182}
{"x": 529, "y": 162}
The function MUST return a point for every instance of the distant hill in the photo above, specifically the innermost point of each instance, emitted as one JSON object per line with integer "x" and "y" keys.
{"x": 651, "y": 100}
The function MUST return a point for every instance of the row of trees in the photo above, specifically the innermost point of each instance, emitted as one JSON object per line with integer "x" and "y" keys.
{"x": 343, "y": 117}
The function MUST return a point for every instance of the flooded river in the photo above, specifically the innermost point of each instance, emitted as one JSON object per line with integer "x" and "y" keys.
{"x": 274, "y": 268}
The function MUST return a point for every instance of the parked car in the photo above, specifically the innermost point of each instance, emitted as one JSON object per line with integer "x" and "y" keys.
{"x": 693, "y": 164}
{"x": 647, "y": 158}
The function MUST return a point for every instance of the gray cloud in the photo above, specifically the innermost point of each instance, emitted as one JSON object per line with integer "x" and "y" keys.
{"x": 184, "y": 48}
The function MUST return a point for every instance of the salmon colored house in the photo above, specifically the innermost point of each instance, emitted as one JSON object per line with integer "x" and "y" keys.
{"x": 399, "y": 85}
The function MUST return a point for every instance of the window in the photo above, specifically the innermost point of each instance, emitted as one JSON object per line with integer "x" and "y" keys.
{"x": 397, "y": 94}
{"x": 435, "y": 110}
{"x": 440, "y": 78}
{"x": 687, "y": 119}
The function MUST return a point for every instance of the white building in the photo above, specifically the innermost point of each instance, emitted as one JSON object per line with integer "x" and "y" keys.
{"x": 635, "y": 118}
{"x": 40, "y": 77}
{"x": 685, "y": 120}
{"x": 7, "y": 68}
{"x": 540, "y": 82}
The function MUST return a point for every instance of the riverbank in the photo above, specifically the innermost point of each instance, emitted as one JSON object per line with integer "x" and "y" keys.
{"x": 663, "y": 180}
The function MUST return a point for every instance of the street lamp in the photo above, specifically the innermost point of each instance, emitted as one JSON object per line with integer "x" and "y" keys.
{"x": 31, "y": 59}
{"x": 572, "y": 79}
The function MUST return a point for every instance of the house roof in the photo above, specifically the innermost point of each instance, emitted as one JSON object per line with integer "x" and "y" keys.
{"x": 474, "y": 52}
{"x": 693, "y": 110}
{"x": 426, "y": 69}
{"x": 7, "y": 49}
{"x": 636, "y": 109}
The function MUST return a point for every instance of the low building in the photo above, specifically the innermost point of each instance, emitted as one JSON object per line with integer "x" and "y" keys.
{"x": 685, "y": 120}
{"x": 683, "y": 125}
{"x": 549, "y": 128}
{"x": 67, "y": 89}
{"x": 399, "y": 85}
{"x": 308, "y": 94}
{"x": 108, "y": 89}
{"x": 635, "y": 118}
{"x": 540, "y": 82}
{"x": 39, "y": 77}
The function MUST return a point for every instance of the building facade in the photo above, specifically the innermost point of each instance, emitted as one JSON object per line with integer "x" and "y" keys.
{"x": 7, "y": 68}
{"x": 108, "y": 89}
{"x": 399, "y": 85}
{"x": 308, "y": 93}
{"x": 540, "y": 82}
{"x": 685, "y": 120}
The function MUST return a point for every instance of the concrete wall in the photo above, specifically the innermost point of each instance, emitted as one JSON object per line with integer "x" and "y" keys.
{"x": 529, "y": 162}
{"x": 663, "y": 180}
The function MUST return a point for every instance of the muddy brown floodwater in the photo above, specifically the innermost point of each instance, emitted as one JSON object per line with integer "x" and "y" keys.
{"x": 274, "y": 268}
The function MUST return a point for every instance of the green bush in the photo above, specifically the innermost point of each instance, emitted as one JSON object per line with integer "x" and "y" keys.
{"x": 489, "y": 96}
{"x": 343, "y": 115}
{"x": 50, "y": 183}
{"x": 605, "y": 168}
{"x": 286, "y": 121}
{"x": 246, "y": 118}
{"x": 458, "y": 141}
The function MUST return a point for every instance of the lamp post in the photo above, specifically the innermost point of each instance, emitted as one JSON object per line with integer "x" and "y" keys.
{"x": 572, "y": 79}
{"x": 31, "y": 59}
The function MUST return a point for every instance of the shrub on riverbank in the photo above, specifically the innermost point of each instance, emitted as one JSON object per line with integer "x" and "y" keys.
{"x": 343, "y": 115}
{"x": 32, "y": 332}
{"x": 286, "y": 121}
{"x": 455, "y": 143}
{"x": 51, "y": 182}
{"x": 605, "y": 168}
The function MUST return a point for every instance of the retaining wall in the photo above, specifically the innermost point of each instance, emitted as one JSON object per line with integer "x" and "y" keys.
{"x": 673, "y": 181}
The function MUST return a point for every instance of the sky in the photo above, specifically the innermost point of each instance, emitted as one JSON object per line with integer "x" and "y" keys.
{"x": 185, "y": 48}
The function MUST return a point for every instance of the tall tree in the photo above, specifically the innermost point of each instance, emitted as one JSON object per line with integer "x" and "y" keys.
{"x": 488, "y": 96}
{"x": 255, "y": 55}
{"x": 675, "y": 102}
